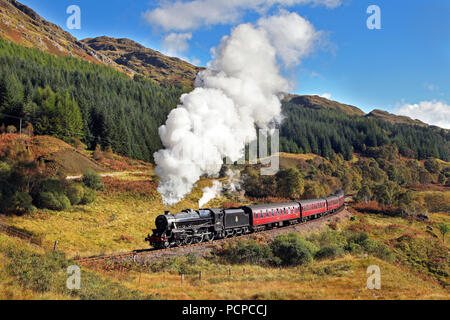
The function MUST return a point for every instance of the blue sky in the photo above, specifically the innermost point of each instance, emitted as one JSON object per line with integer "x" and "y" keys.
{"x": 399, "y": 68}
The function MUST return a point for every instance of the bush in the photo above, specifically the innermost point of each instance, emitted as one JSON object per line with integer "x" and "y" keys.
{"x": 329, "y": 252}
{"x": 89, "y": 196}
{"x": 292, "y": 249}
{"x": 51, "y": 185}
{"x": 75, "y": 193}
{"x": 5, "y": 170}
{"x": 360, "y": 242}
{"x": 53, "y": 201}
{"x": 22, "y": 202}
{"x": 246, "y": 252}
{"x": 92, "y": 180}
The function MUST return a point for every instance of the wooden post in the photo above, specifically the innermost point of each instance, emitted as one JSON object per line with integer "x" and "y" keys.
{"x": 200, "y": 276}
{"x": 55, "y": 246}
{"x": 182, "y": 278}
{"x": 243, "y": 271}
{"x": 229, "y": 273}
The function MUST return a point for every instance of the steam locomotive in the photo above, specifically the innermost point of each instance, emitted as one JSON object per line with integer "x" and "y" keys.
{"x": 205, "y": 225}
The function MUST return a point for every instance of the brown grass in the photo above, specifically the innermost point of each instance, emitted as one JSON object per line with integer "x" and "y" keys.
{"x": 115, "y": 186}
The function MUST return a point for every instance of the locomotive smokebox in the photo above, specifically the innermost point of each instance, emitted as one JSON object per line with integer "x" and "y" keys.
{"x": 166, "y": 212}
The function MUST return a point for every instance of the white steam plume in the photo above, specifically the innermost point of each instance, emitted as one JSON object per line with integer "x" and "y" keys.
{"x": 241, "y": 88}
{"x": 210, "y": 193}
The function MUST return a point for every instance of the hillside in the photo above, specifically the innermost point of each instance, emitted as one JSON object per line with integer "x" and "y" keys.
{"x": 394, "y": 119}
{"x": 144, "y": 61}
{"x": 412, "y": 257}
{"x": 317, "y": 103}
{"x": 22, "y": 25}
{"x": 320, "y": 103}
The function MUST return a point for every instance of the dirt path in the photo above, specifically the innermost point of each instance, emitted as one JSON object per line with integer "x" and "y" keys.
{"x": 112, "y": 174}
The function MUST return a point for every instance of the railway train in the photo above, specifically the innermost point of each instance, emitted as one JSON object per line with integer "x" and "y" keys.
{"x": 205, "y": 225}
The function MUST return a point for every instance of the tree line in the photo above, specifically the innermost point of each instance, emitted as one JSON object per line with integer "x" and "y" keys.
{"x": 73, "y": 99}
{"x": 325, "y": 132}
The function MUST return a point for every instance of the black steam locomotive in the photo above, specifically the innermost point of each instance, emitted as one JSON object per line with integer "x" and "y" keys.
{"x": 204, "y": 225}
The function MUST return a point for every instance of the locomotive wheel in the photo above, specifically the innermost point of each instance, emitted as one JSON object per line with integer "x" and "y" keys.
{"x": 197, "y": 239}
{"x": 178, "y": 243}
{"x": 209, "y": 237}
{"x": 188, "y": 241}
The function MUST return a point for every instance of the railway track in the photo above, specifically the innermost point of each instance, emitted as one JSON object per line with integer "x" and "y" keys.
{"x": 145, "y": 254}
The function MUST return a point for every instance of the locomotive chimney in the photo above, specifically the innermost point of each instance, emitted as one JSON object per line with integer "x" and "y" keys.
{"x": 166, "y": 212}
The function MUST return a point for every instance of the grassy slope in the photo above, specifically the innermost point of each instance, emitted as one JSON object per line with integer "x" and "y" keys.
{"x": 125, "y": 211}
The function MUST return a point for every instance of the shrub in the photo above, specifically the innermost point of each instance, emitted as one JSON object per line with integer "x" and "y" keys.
{"x": 292, "y": 249}
{"x": 51, "y": 185}
{"x": 379, "y": 250}
{"x": 53, "y": 201}
{"x": 11, "y": 129}
{"x": 5, "y": 170}
{"x": 328, "y": 238}
{"x": 89, "y": 196}
{"x": 329, "y": 252}
{"x": 75, "y": 193}
{"x": 360, "y": 242}
{"x": 92, "y": 180}
{"x": 246, "y": 252}
{"x": 21, "y": 202}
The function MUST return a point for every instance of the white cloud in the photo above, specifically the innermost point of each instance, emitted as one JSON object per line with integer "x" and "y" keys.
{"x": 191, "y": 15}
{"x": 323, "y": 95}
{"x": 176, "y": 43}
{"x": 431, "y": 87}
{"x": 432, "y": 112}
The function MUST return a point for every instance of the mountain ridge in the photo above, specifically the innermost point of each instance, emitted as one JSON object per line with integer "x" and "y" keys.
{"x": 144, "y": 61}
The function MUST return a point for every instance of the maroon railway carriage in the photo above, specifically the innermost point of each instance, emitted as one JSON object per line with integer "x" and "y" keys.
{"x": 335, "y": 202}
{"x": 273, "y": 215}
{"x": 313, "y": 208}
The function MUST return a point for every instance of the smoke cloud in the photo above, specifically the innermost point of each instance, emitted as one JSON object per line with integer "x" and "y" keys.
{"x": 240, "y": 89}
{"x": 210, "y": 193}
